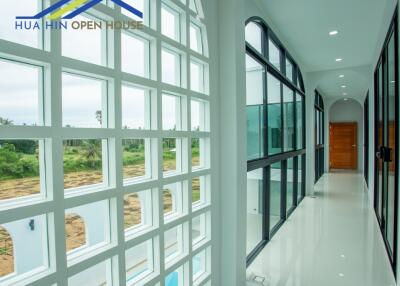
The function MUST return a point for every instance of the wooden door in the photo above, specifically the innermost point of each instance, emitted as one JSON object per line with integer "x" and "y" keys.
{"x": 343, "y": 145}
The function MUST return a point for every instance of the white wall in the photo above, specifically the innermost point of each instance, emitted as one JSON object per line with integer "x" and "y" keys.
{"x": 349, "y": 111}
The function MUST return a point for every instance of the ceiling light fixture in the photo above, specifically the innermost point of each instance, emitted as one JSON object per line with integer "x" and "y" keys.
{"x": 341, "y": 274}
{"x": 333, "y": 33}
{"x": 339, "y": 59}
{"x": 344, "y": 93}
{"x": 343, "y": 86}
{"x": 346, "y": 99}
{"x": 341, "y": 76}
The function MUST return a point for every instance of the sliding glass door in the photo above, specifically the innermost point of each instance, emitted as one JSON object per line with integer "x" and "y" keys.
{"x": 386, "y": 143}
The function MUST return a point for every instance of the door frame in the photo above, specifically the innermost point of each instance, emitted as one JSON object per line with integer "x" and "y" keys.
{"x": 382, "y": 63}
{"x": 355, "y": 124}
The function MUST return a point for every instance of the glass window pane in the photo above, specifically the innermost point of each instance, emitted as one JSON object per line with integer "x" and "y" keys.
{"x": 289, "y": 69}
{"x": 14, "y": 30}
{"x": 92, "y": 51}
{"x": 288, "y": 119}
{"x": 197, "y": 77}
{"x": 21, "y": 169}
{"x": 196, "y": 191}
{"x": 171, "y": 112}
{"x": 173, "y": 239}
{"x": 299, "y": 122}
{"x": 135, "y": 107}
{"x": 392, "y": 126}
{"x": 171, "y": 67}
{"x": 255, "y": 210}
{"x": 290, "y": 185}
{"x": 197, "y": 153}
{"x": 173, "y": 201}
{"x": 175, "y": 278}
{"x": 198, "y": 115}
{"x": 199, "y": 229}
{"x": 255, "y": 126}
{"x": 86, "y": 228}
{"x": 99, "y": 274}
{"x": 254, "y": 100}
{"x": 254, "y": 36}
{"x": 199, "y": 185}
{"x": 169, "y": 155}
{"x": 135, "y": 55}
{"x": 196, "y": 39}
{"x": 136, "y": 160}
{"x": 199, "y": 262}
{"x": 274, "y": 116}
{"x": 82, "y": 101}
{"x": 299, "y": 178}
{"x": 170, "y": 22}
{"x": 138, "y": 213}
{"x": 275, "y": 200}
{"x": 274, "y": 55}
{"x": 20, "y": 97}
{"x": 139, "y": 262}
{"x": 21, "y": 239}
{"x": 255, "y": 73}
{"x": 83, "y": 165}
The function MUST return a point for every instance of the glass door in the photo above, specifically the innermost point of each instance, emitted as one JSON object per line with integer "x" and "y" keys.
{"x": 386, "y": 114}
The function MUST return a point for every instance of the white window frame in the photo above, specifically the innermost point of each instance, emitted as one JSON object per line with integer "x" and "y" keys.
{"x": 55, "y": 202}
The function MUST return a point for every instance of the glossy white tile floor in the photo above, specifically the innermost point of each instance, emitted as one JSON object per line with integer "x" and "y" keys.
{"x": 332, "y": 240}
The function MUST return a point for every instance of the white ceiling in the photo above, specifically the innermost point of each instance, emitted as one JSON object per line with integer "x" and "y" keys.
{"x": 305, "y": 26}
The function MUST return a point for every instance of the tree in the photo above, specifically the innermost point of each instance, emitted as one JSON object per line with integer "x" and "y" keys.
{"x": 6, "y": 121}
{"x": 92, "y": 151}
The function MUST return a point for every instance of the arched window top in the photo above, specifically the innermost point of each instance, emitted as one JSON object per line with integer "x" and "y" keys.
{"x": 261, "y": 41}
{"x": 318, "y": 101}
{"x": 6, "y": 253}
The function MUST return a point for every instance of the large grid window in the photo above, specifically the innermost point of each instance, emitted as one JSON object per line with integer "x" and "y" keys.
{"x": 275, "y": 135}
{"x": 105, "y": 171}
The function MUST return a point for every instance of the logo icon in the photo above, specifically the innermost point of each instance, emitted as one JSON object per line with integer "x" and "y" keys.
{"x": 68, "y": 9}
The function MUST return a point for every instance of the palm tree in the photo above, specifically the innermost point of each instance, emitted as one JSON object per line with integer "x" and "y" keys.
{"x": 92, "y": 151}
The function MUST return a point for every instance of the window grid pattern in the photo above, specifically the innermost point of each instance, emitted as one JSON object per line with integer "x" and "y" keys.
{"x": 53, "y": 202}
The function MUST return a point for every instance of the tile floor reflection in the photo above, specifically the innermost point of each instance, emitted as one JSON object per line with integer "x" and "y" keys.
{"x": 330, "y": 240}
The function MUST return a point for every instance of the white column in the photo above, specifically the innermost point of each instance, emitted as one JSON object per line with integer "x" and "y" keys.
{"x": 232, "y": 112}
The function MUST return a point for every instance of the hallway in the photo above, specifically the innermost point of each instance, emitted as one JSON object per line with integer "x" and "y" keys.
{"x": 330, "y": 240}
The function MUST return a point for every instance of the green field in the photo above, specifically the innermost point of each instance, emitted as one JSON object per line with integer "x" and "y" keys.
{"x": 20, "y": 159}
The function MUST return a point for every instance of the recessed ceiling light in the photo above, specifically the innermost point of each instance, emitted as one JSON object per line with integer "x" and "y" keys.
{"x": 344, "y": 93}
{"x": 346, "y": 99}
{"x": 333, "y": 33}
{"x": 339, "y": 59}
{"x": 341, "y": 76}
{"x": 343, "y": 86}
{"x": 343, "y": 256}
{"x": 341, "y": 274}
{"x": 393, "y": 81}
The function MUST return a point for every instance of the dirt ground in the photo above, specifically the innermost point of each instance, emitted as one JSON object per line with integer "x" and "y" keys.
{"x": 74, "y": 225}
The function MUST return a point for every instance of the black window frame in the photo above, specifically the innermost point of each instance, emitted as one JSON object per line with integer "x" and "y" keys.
{"x": 265, "y": 162}
{"x": 319, "y": 143}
